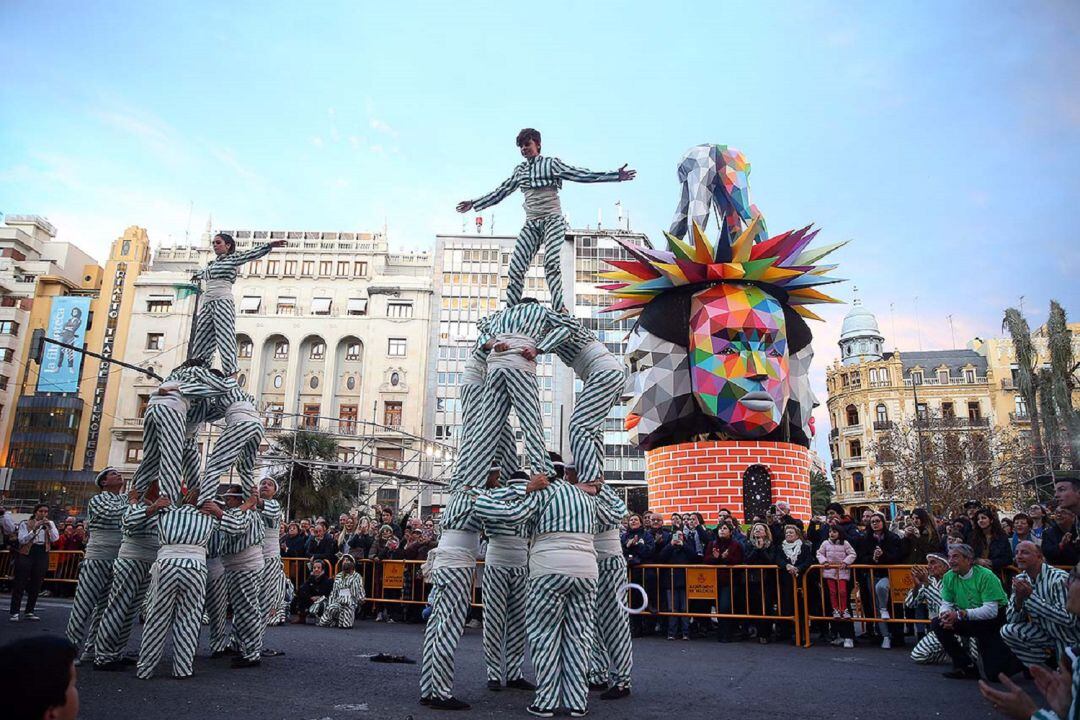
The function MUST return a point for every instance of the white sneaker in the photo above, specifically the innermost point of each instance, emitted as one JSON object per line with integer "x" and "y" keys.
{"x": 886, "y": 644}
{"x": 849, "y": 643}
{"x": 884, "y": 614}
{"x": 32, "y": 616}
{"x": 15, "y": 617}
{"x": 838, "y": 641}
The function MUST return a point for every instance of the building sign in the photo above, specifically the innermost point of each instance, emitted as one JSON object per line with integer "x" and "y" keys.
{"x": 67, "y": 324}
{"x": 107, "y": 344}
{"x": 701, "y": 583}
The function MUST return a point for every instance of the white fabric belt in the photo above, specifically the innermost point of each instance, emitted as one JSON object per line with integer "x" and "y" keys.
{"x": 241, "y": 411}
{"x": 172, "y": 400}
{"x": 103, "y": 545}
{"x": 247, "y": 560}
{"x": 608, "y": 544}
{"x": 571, "y": 554}
{"x": 507, "y": 551}
{"x": 595, "y": 357}
{"x": 512, "y": 358}
{"x": 271, "y": 546}
{"x": 217, "y": 289}
{"x": 456, "y": 549}
{"x": 182, "y": 551}
{"x": 214, "y": 568}
{"x": 474, "y": 372}
{"x": 541, "y": 202}
{"x": 139, "y": 548}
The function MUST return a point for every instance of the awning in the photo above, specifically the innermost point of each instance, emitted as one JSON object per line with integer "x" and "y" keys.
{"x": 161, "y": 298}
{"x": 357, "y": 306}
{"x": 250, "y": 303}
{"x": 321, "y": 306}
{"x": 286, "y": 300}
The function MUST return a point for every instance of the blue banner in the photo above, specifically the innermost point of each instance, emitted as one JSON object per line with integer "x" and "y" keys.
{"x": 67, "y": 323}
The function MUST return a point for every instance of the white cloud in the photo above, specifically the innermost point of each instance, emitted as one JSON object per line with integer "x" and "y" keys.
{"x": 383, "y": 127}
{"x": 317, "y": 141}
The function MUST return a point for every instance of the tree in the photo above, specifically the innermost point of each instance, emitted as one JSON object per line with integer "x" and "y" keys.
{"x": 1026, "y": 381}
{"x": 1061, "y": 383}
{"x": 821, "y": 492}
{"x": 958, "y": 460}
{"x": 313, "y": 487}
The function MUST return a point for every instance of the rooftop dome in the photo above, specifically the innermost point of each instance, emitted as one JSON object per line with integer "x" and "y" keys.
{"x": 859, "y": 322}
{"x": 860, "y": 338}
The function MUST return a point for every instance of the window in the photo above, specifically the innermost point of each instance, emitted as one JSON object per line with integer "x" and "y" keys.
{"x": 9, "y": 327}
{"x": 311, "y": 416}
{"x": 347, "y": 420}
{"x": 249, "y": 304}
{"x": 253, "y": 268}
{"x": 947, "y": 411}
{"x": 389, "y": 458}
{"x": 852, "y": 415}
{"x": 271, "y": 267}
{"x": 325, "y": 267}
{"x": 7, "y": 355}
{"x": 855, "y": 449}
{"x": 4, "y": 382}
{"x": 286, "y": 305}
{"x": 352, "y": 351}
{"x": 395, "y": 347}
{"x": 921, "y": 412}
{"x": 857, "y": 483}
{"x": 350, "y": 383}
{"x": 241, "y": 380}
{"x": 134, "y": 452}
{"x": 318, "y": 351}
{"x": 1021, "y": 407}
{"x": 307, "y": 268}
{"x": 290, "y": 267}
{"x": 969, "y": 376}
{"x": 281, "y": 349}
{"x": 144, "y": 401}
{"x": 313, "y": 383}
{"x": 278, "y": 381}
{"x": 274, "y": 412}
{"x": 399, "y": 309}
{"x": 321, "y": 305}
{"x": 392, "y": 414}
{"x": 357, "y": 306}
{"x": 155, "y": 341}
{"x": 343, "y": 267}
{"x": 882, "y": 413}
{"x": 359, "y": 269}
{"x": 974, "y": 413}
{"x": 916, "y": 377}
{"x": 943, "y": 377}
{"x": 159, "y": 306}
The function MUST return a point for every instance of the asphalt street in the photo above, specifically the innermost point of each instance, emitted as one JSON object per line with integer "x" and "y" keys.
{"x": 326, "y": 674}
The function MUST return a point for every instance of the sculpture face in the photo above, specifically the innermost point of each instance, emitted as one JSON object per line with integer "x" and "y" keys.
{"x": 659, "y": 385}
{"x": 739, "y": 357}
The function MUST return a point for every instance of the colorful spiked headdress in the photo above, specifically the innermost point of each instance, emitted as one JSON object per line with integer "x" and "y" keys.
{"x": 782, "y": 262}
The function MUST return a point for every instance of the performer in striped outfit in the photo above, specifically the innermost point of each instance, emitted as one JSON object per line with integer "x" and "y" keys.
{"x": 217, "y": 596}
{"x": 927, "y": 591}
{"x": 506, "y": 574}
{"x": 215, "y": 324}
{"x": 177, "y": 604}
{"x": 604, "y": 378}
{"x": 272, "y": 589}
{"x": 131, "y": 579}
{"x": 472, "y": 392}
{"x": 166, "y": 422}
{"x": 612, "y": 648}
{"x": 237, "y": 445}
{"x": 104, "y": 513}
{"x": 346, "y": 596}
{"x": 241, "y": 553}
{"x": 540, "y": 179}
{"x": 1037, "y": 624}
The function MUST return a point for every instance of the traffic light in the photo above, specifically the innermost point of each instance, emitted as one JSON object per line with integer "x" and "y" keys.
{"x": 37, "y": 345}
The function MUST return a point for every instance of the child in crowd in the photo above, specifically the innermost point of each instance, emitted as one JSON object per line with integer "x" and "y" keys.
{"x": 837, "y": 553}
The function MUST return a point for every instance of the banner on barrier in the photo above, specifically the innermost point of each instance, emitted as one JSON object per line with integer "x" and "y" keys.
{"x": 900, "y": 583}
{"x": 701, "y": 583}
{"x": 393, "y": 574}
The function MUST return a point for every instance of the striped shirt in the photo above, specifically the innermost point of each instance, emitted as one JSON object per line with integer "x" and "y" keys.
{"x": 213, "y": 545}
{"x": 271, "y": 515}
{"x": 242, "y": 529}
{"x": 185, "y": 525}
{"x": 1046, "y": 605}
{"x": 459, "y": 513}
{"x": 558, "y": 508}
{"x": 609, "y": 505}
{"x": 137, "y": 524}
{"x": 105, "y": 512}
{"x": 488, "y": 510}
{"x": 541, "y": 172}
{"x": 226, "y": 267}
{"x": 540, "y": 323}
{"x": 928, "y": 594}
{"x": 579, "y": 336}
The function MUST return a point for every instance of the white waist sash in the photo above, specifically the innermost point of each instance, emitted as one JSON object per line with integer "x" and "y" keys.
{"x": 217, "y": 289}
{"x": 172, "y": 399}
{"x": 271, "y": 546}
{"x": 241, "y": 411}
{"x": 456, "y": 549}
{"x": 507, "y": 551}
{"x": 571, "y": 554}
{"x": 247, "y": 560}
{"x": 512, "y": 359}
{"x": 474, "y": 372}
{"x": 182, "y": 551}
{"x": 139, "y": 548}
{"x": 541, "y": 202}
{"x": 595, "y": 357}
{"x": 214, "y": 568}
{"x": 103, "y": 545}
{"x": 607, "y": 544}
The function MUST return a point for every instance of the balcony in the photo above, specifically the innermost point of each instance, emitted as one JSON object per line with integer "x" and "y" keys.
{"x": 136, "y": 422}
{"x": 853, "y": 429}
{"x": 884, "y": 424}
{"x": 1019, "y": 417}
{"x": 857, "y": 461}
{"x": 836, "y": 464}
{"x": 1008, "y": 384}
{"x": 834, "y": 433}
{"x": 954, "y": 422}
{"x": 979, "y": 380}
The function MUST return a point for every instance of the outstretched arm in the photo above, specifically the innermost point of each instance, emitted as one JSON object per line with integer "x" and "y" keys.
{"x": 492, "y": 198}
{"x": 581, "y": 175}
{"x": 239, "y": 258}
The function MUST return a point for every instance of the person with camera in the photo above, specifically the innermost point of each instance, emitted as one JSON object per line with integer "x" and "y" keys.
{"x": 35, "y": 537}
{"x": 677, "y": 552}
{"x": 879, "y": 546}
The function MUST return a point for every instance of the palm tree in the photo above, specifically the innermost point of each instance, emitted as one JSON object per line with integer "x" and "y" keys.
{"x": 1062, "y": 367}
{"x": 1026, "y": 379}
{"x": 312, "y": 486}
{"x": 821, "y": 492}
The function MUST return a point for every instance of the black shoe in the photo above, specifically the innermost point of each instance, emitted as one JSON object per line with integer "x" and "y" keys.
{"x": 424, "y": 700}
{"x": 240, "y": 662}
{"x": 598, "y": 687}
{"x": 540, "y": 712}
{"x": 128, "y": 661}
{"x": 578, "y": 713}
{"x": 450, "y": 703}
{"x": 219, "y": 654}
{"x": 520, "y": 684}
{"x": 266, "y": 652}
{"x": 494, "y": 685}
{"x": 617, "y": 692}
{"x": 112, "y": 665}
{"x": 968, "y": 673}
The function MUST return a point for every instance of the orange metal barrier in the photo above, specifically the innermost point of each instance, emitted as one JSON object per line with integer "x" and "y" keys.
{"x": 63, "y": 565}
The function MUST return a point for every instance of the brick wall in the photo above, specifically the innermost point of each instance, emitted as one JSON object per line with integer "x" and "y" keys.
{"x": 705, "y": 476}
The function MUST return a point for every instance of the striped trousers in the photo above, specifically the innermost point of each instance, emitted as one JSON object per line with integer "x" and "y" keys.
{"x": 177, "y": 610}
{"x": 612, "y": 648}
{"x": 451, "y": 594}
{"x": 506, "y": 456}
{"x": 560, "y": 621}
{"x": 601, "y": 391}
{"x": 131, "y": 580}
{"x": 928, "y": 651}
{"x": 238, "y": 444}
{"x": 91, "y": 596}
{"x": 164, "y": 442}
{"x": 505, "y": 589}
{"x": 215, "y": 330}
{"x": 248, "y": 622}
{"x": 1030, "y": 642}
{"x": 272, "y": 590}
{"x": 337, "y": 614}
{"x": 548, "y": 232}
{"x": 217, "y": 603}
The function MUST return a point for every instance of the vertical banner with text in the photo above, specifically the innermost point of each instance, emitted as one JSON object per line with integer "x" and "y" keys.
{"x": 60, "y": 366}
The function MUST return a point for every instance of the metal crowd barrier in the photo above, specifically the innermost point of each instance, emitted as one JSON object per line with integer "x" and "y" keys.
{"x": 63, "y": 566}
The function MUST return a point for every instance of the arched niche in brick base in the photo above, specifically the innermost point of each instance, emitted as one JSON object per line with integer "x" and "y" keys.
{"x": 708, "y": 475}
{"x": 757, "y": 490}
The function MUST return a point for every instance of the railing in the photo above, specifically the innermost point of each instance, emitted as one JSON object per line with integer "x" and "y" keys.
{"x": 855, "y": 429}
{"x": 956, "y": 422}
{"x": 883, "y": 424}
{"x": 1019, "y": 417}
{"x": 63, "y": 566}
{"x": 855, "y": 461}
{"x": 837, "y": 464}
{"x": 834, "y": 433}
{"x": 1008, "y": 384}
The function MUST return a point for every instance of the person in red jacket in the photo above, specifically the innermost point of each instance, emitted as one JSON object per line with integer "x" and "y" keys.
{"x": 725, "y": 550}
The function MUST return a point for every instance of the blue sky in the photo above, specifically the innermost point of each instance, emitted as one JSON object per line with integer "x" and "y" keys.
{"x": 941, "y": 137}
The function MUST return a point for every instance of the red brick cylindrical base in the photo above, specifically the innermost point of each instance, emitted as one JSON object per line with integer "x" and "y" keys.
{"x": 706, "y": 476}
